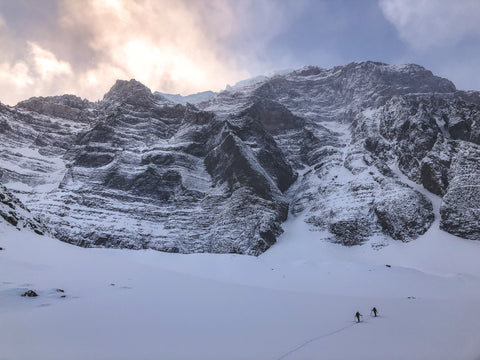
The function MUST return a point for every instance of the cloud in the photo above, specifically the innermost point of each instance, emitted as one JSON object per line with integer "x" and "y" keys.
{"x": 428, "y": 23}
{"x": 442, "y": 35}
{"x": 177, "y": 46}
{"x": 158, "y": 43}
{"x": 16, "y": 75}
{"x": 46, "y": 63}
{"x": 36, "y": 73}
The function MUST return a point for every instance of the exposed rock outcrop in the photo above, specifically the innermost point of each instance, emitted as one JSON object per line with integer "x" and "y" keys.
{"x": 16, "y": 214}
{"x": 460, "y": 210}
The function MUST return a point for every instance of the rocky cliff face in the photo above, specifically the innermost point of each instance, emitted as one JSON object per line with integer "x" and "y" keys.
{"x": 460, "y": 211}
{"x": 13, "y": 212}
{"x": 138, "y": 170}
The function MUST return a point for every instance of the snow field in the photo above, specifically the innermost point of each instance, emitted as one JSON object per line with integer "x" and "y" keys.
{"x": 296, "y": 301}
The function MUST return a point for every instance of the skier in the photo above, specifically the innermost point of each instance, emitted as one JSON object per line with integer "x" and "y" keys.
{"x": 357, "y": 316}
{"x": 374, "y": 310}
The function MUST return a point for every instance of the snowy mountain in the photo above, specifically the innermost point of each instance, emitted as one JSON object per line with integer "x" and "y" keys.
{"x": 337, "y": 148}
{"x": 243, "y": 83}
{"x": 191, "y": 99}
{"x": 204, "y": 96}
{"x": 207, "y": 95}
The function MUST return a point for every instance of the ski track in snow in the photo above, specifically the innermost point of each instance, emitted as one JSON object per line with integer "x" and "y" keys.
{"x": 287, "y": 354}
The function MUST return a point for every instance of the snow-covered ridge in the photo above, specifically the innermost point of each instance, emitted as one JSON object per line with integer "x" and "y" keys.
{"x": 204, "y": 96}
{"x": 192, "y": 98}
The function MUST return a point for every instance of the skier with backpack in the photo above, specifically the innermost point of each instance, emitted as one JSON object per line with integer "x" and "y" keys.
{"x": 357, "y": 316}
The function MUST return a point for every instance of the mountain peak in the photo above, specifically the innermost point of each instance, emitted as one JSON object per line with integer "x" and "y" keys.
{"x": 129, "y": 91}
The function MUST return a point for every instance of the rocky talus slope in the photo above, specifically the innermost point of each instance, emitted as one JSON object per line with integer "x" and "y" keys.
{"x": 138, "y": 170}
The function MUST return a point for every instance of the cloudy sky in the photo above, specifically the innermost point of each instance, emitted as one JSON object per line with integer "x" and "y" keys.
{"x": 50, "y": 47}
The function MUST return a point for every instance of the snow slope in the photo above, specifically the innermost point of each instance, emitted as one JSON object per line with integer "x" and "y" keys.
{"x": 296, "y": 301}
